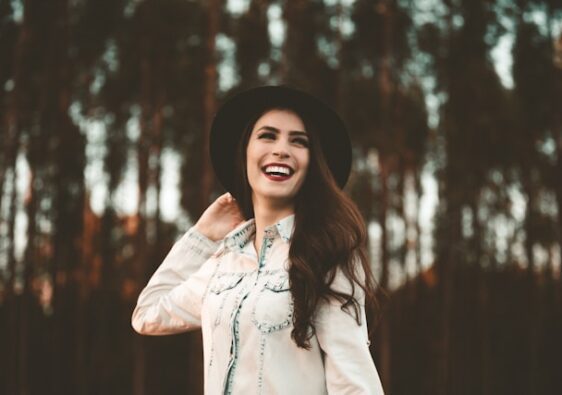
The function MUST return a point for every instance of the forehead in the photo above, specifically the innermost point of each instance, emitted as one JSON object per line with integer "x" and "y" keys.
{"x": 282, "y": 119}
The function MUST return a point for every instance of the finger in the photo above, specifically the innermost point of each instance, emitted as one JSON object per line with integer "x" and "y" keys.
{"x": 225, "y": 197}
{"x": 231, "y": 198}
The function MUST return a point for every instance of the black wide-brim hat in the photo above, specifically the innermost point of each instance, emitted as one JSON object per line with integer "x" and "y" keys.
{"x": 234, "y": 115}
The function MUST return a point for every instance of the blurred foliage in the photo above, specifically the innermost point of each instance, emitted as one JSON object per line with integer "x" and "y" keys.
{"x": 476, "y": 307}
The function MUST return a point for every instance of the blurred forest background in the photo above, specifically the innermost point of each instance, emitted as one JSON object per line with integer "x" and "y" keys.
{"x": 454, "y": 108}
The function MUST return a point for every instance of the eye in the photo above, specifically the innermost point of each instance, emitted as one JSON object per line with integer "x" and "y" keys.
{"x": 267, "y": 135}
{"x": 301, "y": 141}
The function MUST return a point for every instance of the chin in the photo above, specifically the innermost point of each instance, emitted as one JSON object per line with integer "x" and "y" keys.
{"x": 281, "y": 197}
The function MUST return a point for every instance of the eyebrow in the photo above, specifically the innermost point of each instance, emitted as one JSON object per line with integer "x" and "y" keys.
{"x": 291, "y": 133}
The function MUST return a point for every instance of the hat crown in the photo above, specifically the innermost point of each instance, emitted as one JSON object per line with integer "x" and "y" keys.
{"x": 233, "y": 116}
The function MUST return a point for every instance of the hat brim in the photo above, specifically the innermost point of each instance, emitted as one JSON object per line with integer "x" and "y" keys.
{"x": 233, "y": 116}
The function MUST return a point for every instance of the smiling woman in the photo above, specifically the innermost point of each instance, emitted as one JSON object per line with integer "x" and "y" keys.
{"x": 277, "y": 275}
{"x": 277, "y": 159}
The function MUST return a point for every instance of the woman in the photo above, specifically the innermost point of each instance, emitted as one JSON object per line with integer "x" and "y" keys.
{"x": 280, "y": 297}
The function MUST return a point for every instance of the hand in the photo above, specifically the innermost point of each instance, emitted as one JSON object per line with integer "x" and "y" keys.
{"x": 222, "y": 216}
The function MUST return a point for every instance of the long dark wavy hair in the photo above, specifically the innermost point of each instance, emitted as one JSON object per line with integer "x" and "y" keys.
{"x": 329, "y": 236}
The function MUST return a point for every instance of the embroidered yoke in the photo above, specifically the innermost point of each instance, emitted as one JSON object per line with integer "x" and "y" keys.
{"x": 242, "y": 301}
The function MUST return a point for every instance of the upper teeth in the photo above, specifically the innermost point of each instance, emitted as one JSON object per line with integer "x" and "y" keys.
{"x": 277, "y": 169}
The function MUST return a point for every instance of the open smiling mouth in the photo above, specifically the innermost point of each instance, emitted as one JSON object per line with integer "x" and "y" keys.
{"x": 278, "y": 173}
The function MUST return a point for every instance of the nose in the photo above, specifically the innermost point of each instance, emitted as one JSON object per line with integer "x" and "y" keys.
{"x": 281, "y": 150}
{"x": 281, "y": 153}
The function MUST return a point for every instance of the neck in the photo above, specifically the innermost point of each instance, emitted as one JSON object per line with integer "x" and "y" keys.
{"x": 267, "y": 213}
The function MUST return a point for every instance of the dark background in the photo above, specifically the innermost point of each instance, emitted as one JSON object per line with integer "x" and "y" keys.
{"x": 454, "y": 109}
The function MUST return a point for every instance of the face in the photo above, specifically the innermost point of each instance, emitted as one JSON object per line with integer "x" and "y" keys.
{"x": 277, "y": 156}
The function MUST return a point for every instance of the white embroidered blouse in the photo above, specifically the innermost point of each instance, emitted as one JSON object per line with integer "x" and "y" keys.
{"x": 241, "y": 300}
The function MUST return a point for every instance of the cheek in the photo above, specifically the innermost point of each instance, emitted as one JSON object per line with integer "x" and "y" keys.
{"x": 252, "y": 162}
{"x": 305, "y": 162}
{"x": 252, "y": 174}
{"x": 249, "y": 155}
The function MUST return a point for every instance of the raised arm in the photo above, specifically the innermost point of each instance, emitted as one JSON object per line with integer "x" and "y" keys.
{"x": 171, "y": 301}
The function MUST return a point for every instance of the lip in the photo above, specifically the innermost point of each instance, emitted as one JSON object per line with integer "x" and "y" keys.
{"x": 291, "y": 170}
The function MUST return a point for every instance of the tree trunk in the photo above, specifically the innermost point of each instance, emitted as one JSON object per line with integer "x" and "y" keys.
{"x": 67, "y": 177}
{"x": 141, "y": 243}
{"x": 383, "y": 341}
{"x": 529, "y": 222}
{"x": 11, "y": 303}
{"x": 153, "y": 172}
{"x": 209, "y": 101}
{"x": 385, "y": 85}
{"x": 418, "y": 192}
{"x": 446, "y": 268}
{"x": 157, "y": 171}
{"x": 476, "y": 241}
{"x": 30, "y": 257}
{"x": 16, "y": 363}
{"x": 559, "y": 190}
{"x": 484, "y": 317}
{"x": 11, "y": 144}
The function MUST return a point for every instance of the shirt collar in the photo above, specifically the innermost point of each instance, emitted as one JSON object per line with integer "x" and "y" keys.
{"x": 239, "y": 236}
{"x": 286, "y": 227}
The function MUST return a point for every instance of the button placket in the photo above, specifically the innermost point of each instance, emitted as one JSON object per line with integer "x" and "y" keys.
{"x": 269, "y": 235}
{"x": 234, "y": 341}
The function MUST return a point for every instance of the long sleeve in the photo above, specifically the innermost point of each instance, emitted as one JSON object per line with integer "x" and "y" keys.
{"x": 171, "y": 301}
{"x": 348, "y": 364}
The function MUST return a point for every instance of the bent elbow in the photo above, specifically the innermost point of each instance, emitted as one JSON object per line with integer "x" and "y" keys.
{"x": 138, "y": 322}
{"x": 146, "y": 321}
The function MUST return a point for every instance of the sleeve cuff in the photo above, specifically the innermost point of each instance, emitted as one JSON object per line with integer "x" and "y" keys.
{"x": 199, "y": 243}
